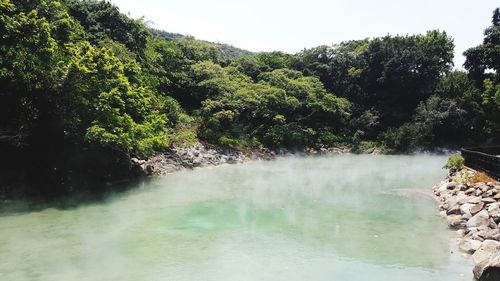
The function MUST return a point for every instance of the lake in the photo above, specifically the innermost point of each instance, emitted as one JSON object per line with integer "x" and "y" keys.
{"x": 349, "y": 217}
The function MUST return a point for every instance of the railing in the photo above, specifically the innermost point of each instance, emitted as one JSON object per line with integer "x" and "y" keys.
{"x": 485, "y": 159}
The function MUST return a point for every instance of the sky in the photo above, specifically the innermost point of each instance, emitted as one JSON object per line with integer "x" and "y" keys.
{"x": 292, "y": 25}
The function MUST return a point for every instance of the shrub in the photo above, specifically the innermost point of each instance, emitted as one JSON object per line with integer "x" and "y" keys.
{"x": 455, "y": 163}
{"x": 183, "y": 138}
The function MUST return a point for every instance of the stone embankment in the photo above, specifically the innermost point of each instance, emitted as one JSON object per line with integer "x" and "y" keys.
{"x": 203, "y": 155}
{"x": 473, "y": 209}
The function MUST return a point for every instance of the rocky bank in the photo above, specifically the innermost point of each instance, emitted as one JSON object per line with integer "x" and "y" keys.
{"x": 202, "y": 155}
{"x": 473, "y": 209}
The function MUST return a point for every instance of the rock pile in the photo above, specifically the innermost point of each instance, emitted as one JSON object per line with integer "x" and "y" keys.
{"x": 199, "y": 155}
{"x": 473, "y": 209}
{"x": 202, "y": 155}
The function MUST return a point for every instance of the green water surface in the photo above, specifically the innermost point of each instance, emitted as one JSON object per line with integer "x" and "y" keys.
{"x": 343, "y": 218}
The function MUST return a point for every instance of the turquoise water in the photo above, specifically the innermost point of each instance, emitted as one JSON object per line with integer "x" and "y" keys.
{"x": 313, "y": 218}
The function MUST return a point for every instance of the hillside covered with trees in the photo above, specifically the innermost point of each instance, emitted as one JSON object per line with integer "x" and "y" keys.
{"x": 84, "y": 88}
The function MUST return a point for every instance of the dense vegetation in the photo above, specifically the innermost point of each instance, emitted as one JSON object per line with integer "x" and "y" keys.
{"x": 83, "y": 83}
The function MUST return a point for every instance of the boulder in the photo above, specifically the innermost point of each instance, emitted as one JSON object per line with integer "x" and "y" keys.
{"x": 488, "y": 200}
{"x": 462, "y": 198}
{"x": 488, "y": 269}
{"x": 150, "y": 169}
{"x": 494, "y": 208}
{"x": 442, "y": 187}
{"x": 465, "y": 208}
{"x": 470, "y": 191}
{"x": 455, "y": 210}
{"x": 469, "y": 246}
{"x": 484, "y": 187}
{"x": 487, "y": 249}
{"x": 442, "y": 214}
{"x": 474, "y": 200}
{"x": 451, "y": 185}
{"x": 476, "y": 208}
{"x": 480, "y": 219}
{"x": 455, "y": 221}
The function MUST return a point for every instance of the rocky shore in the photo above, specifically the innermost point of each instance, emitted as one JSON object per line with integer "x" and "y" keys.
{"x": 473, "y": 208}
{"x": 203, "y": 155}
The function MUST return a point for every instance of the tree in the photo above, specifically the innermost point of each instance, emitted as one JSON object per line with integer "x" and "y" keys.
{"x": 483, "y": 63}
{"x": 282, "y": 109}
{"x": 103, "y": 20}
{"x": 496, "y": 17}
{"x": 101, "y": 104}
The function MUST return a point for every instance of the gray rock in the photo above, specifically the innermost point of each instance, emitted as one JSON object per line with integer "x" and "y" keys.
{"x": 474, "y": 200}
{"x": 484, "y": 187}
{"x": 476, "y": 208}
{"x": 487, "y": 249}
{"x": 469, "y": 246}
{"x": 480, "y": 219}
{"x": 150, "y": 169}
{"x": 455, "y": 221}
{"x": 442, "y": 214}
{"x": 451, "y": 185}
{"x": 488, "y": 269}
{"x": 489, "y": 193}
{"x": 488, "y": 200}
{"x": 455, "y": 210}
{"x": 442, "y": 187}
{"x": 462, "y": 198}
{"x": 465, "y": 208}
{"x": 470, "y": 191}
{"x": 494, "y": 208}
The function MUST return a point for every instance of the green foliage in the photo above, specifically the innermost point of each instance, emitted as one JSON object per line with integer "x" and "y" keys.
{"x": 455, "y": 163}
{"x": 483, "y": 64}
{"x": 102, "y": 20}
{"x": 183, "y": 137}
{"x": 369, "y": 147}
{"x": 329, "y": 139}
{"x": 80, "y": 73}
{"x": 282, "y": 109}
{"x": 385, "y": 78}
{"x": 197, "y": 50}
{"x": 104, "y": 104}
{"x": 80, "y": 78}
{"x": 452, "y": 115}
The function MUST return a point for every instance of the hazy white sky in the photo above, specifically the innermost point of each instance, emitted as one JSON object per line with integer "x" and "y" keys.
{"x": 292, "y": 25}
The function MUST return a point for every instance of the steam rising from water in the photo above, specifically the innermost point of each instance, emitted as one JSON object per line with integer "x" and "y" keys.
{"x": 334, "y": 218}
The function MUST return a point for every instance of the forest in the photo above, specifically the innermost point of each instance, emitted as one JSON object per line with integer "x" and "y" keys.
{"x": 84, "y": 87}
